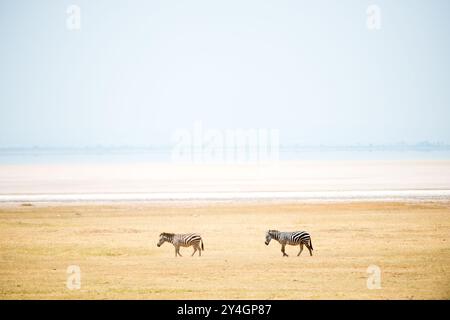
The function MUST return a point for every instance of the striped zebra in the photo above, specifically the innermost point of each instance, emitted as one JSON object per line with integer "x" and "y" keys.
{"x": 292, "y": 238}
{"x": 182, "y": 240}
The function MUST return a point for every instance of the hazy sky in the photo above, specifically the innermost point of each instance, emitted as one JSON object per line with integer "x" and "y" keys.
{"x": 138, "y": 70}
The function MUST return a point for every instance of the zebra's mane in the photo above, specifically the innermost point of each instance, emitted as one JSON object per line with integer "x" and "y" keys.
{"x": 273, "y": 231}
{"x": 167, "y": 235}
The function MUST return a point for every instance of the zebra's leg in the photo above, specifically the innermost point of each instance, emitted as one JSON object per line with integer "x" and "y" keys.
{"x": 309, "y": 248}
{"x": 301, "y": 249}
{"x": 199, "y": 251}
{"x": 178, "y": 251}
{"x": 195, "y": 250}
{"x": 283, "y": 250}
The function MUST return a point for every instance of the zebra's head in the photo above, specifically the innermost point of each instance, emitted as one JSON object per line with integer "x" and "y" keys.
{"x": 269, "y": 236}
{"x": 163, "y": 237}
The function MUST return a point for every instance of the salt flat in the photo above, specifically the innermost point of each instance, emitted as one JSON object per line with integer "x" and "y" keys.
{"x": 335, "y": 180}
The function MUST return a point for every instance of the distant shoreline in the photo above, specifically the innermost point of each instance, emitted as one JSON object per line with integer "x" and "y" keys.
{"x": 164, "y": 154}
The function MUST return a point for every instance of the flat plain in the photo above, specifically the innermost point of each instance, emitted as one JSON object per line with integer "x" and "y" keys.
{"x": 114, "y": 244}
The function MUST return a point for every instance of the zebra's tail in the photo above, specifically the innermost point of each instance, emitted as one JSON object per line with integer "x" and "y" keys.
{"x": 203, "y": 248}
{"x": 310, "y": 243}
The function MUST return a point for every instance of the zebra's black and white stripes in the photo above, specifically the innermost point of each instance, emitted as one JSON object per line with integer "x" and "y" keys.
{"x": 291, "y": 238}
{"x": 296, "y": 238}
{"x": 182, "y": 240}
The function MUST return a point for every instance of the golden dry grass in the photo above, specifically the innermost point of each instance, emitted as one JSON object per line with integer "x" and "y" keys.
{"x": 115, "y": 247}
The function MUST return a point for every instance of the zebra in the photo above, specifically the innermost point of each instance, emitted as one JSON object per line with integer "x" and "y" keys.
{"x": 182, "y": 240}
{"x": 292, "y": 238}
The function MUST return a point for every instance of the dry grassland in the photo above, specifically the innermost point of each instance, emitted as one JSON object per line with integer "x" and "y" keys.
{"x": 115, "y": 247}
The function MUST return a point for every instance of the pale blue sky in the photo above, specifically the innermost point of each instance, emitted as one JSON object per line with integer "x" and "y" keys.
{"x": 138, "y": 70}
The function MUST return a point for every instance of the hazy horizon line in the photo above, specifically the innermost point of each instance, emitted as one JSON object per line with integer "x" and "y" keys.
{"x": 420, "y": 144}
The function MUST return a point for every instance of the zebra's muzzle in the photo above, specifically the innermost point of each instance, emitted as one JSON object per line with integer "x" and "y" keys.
{"x": 158, "y": 245}
{"x": 266, "y": 243}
